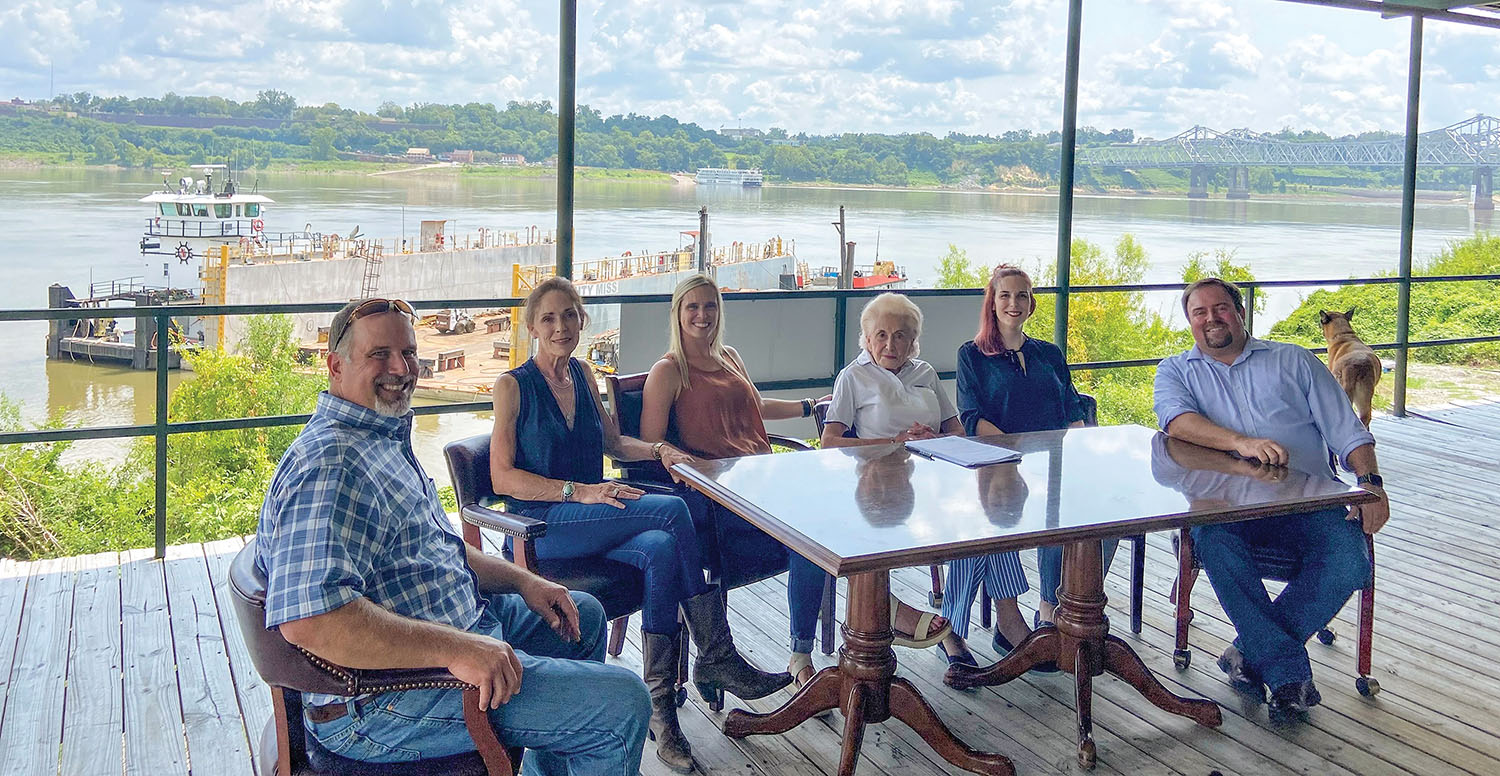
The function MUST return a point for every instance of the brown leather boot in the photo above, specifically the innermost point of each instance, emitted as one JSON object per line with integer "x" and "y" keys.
{"x": 660, "y": 653}
{"x": 720, "y": 668}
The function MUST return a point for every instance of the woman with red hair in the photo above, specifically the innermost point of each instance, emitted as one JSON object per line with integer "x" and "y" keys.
{"x": 1007, "y": 383}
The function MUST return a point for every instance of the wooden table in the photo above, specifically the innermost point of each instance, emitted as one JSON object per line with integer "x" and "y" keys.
{"x": 860, "y": 512}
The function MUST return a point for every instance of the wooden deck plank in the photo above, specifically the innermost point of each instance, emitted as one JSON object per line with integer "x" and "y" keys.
{"x": 13, "y": 577}
{"x": 33, "y": 724}
{"x": 94, "y": 706}
{"x": 210, "y": 708}
{"x": 1440, "y": 672}
{"x": 1405, "y": 683}
{"x": 154, "y": 744}
{"x": 252, "y": 693}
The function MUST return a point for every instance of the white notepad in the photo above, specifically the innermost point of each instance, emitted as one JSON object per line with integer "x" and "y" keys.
{"x": 962, "y": 451}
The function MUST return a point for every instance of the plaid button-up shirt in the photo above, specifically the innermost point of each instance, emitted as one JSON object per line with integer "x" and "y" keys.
{"x": 351, "y": 514}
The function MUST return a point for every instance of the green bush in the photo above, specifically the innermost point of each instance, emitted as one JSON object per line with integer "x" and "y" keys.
{"x": 1438, "y": 310}
{"x": 216, "y": 480}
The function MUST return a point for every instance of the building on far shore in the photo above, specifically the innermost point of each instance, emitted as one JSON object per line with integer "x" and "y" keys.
{"x": 418, "y": 154}
{"x": 512, "y": 160}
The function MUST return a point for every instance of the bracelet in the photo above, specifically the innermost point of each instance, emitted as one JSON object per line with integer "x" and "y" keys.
{"x": 807, "y": 406}
{"x": 656, "y": 449}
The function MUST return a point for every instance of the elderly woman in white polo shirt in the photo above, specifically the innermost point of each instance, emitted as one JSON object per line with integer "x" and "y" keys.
{"x": 888, "y": 395}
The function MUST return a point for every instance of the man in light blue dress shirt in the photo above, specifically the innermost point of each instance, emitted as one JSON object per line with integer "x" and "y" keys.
{"x": 1277, "y": 404}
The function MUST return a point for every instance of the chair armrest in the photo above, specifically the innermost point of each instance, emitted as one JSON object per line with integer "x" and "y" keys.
{"x": 786, "y": 441}
{"x": 636, "y": 472}
{"x": 519, "y": 526}
{"x": 667, "y": 488}
{"x": 392, "y": 679}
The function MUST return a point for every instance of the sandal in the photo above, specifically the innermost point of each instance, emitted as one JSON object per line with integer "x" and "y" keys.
{"x": 924, "y": 636}
{"x": 799, "y": 662}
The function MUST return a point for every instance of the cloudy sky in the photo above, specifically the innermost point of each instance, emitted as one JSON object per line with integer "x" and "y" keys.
{"x": 821, "y": 66}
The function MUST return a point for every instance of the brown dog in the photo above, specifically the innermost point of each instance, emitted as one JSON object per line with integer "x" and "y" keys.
{"x": 1351, "y": 361}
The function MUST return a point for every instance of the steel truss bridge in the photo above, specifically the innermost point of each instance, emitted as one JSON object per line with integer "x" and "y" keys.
{"x": 1473, "y": 143}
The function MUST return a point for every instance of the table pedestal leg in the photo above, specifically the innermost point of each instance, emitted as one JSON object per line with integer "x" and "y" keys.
{"x": 1080, "y": 643}
{"x": 864, "y": 687}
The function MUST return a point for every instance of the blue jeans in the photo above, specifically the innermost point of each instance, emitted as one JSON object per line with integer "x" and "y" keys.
{"x": 574, "y": 714}
{"x": 804, "y": 597}
{"x": 1001, "y": 574}
{"x": 1049, "y": 567}
{"x": 654, "y": 534}
{"x": 1273, "y": 634}
{"x": 734, "y": 539}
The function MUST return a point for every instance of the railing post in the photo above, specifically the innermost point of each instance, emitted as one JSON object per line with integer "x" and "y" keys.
{"x": 163, "y": 353}
{"x": 840, "y": 321}
{"x": 567, "y": 84}
{"x": 1408, "y": 213}
{"x": 1250, "y": 310}
{"x": 1065, "y": 179}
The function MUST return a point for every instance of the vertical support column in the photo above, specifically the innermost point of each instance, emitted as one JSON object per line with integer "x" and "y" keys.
{"x": 163, "y": 355}
{"x": 1198, "y": 182}
{"x": 846, "y": 262}
{"x": 1250, "y": 310}
{"x": 1408, "y": 213}
{"x": 1239, "y": 183}
{"x": 1484, "y": 188}
{"x": 567, "y": 109}
{"x": 703, "y": 249}
{"x": 1065, "y": 179}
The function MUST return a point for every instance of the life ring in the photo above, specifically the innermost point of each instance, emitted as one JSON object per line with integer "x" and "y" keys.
{"x": 626, "y": 253}
{"x": 440, "y": 239}
{"x": 257, "y": 225}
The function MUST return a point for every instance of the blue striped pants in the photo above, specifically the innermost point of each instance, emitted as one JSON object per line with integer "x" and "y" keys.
{"x": 1001, "y": 574}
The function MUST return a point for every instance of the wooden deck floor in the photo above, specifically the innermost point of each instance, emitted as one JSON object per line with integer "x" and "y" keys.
{"x": 117, "y": 663}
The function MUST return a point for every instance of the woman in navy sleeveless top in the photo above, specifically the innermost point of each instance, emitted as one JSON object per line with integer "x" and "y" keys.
{"x": 547, "y": 459}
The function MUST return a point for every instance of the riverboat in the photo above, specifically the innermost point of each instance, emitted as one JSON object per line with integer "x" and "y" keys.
{"x": 190, "y": 221}
{"x": 881, "y": 274}
{"x": 749, "y": 179}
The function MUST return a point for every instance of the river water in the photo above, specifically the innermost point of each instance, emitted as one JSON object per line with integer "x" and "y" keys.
{"x": 74, "y": 225}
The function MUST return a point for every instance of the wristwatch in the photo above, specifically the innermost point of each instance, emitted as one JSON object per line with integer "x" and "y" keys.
{"x": 656, "y": 450}
{"x": 1371, "y": 479}
{"x": 568, "y": 490}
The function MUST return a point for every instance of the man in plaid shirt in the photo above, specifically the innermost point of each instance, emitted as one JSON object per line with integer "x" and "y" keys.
{"x": 365, "y": 570}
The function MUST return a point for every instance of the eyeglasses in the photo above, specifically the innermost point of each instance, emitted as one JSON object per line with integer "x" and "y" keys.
{"x": 369, "y": 307}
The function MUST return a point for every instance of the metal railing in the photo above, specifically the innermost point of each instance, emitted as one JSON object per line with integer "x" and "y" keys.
{"x": 161, "y": 429}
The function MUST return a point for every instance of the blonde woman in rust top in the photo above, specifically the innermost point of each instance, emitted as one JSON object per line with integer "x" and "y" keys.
{"x": 701, "y": 388}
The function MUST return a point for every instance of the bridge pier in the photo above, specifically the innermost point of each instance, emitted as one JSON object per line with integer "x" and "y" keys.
{"x": 1484, "y": 188}
{"x": 1239, "y": 183}
{"x": 1198, "y": 182}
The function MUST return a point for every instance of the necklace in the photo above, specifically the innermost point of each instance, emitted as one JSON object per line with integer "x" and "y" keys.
{"x": 566, "y": 382}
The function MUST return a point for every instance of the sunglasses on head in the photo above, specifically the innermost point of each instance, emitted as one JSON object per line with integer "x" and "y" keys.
{"x": 371, "y": 307}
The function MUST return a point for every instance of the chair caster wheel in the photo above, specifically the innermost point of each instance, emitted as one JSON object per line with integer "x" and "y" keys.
{"x": 935, "y": 600}
{"x": 1327, "y": 636}
{"x": 1367, "y": 687}
{"x": 1182, "y": 658}
{"x": 681, "y": 696}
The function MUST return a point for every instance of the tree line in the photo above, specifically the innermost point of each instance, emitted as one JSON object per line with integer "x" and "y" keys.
{"x": 274, "y": 128}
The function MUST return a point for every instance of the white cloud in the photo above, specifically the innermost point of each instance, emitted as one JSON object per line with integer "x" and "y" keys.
{"x": 982, "y": 66}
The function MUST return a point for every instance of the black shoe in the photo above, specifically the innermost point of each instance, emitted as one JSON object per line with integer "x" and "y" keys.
{"x": 1241, "y": 676}
{"x": 1003, "y": 647}
{"x": 959, "y": 658}
{"x": 1290, "y": 701}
